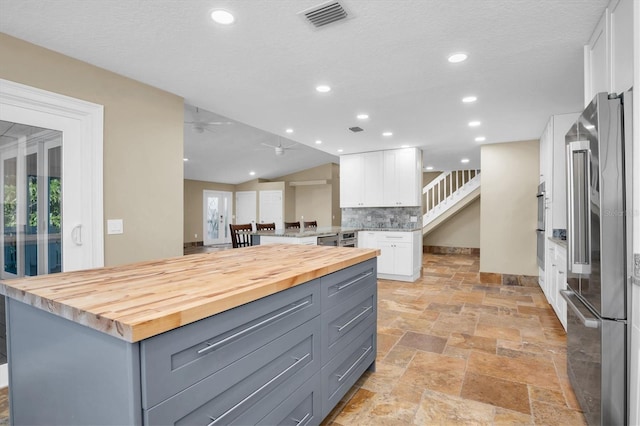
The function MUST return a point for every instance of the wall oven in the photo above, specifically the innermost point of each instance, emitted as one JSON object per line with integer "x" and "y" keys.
{"x": 348, "y": 239}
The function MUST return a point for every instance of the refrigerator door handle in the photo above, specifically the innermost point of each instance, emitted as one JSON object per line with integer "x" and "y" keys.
{"x": 579, "y": 199}
{"x": 587, "y": 322}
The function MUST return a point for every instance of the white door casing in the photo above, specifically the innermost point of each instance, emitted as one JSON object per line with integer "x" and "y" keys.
{"x": 81, "y": 124}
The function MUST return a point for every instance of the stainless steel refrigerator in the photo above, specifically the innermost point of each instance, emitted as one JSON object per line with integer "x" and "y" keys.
{"x": 599, "y": 259}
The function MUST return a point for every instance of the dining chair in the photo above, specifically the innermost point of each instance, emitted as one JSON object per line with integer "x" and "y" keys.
{"x": 241, "y": 235}
{"x": 265, "y": 226}
{"x": 292, "y": 225}
{"x": 311, "y": 224}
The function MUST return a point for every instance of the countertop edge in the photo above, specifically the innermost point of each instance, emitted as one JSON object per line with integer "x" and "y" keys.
{"x": 136, "y": 331}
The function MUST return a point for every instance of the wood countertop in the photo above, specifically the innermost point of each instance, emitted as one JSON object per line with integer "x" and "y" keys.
{"x": 140, "y": 300}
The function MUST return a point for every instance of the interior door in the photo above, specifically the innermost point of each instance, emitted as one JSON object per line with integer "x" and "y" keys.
{"x": 271, "y": 207}
{"x": 217, "y": 210}
{"x": 246, "y": 207}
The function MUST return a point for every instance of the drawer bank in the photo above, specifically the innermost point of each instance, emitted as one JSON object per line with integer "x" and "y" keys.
{"x": 267, "y": 335}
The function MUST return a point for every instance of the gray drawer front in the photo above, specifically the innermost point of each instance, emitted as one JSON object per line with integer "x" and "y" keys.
{"x": 173, "y": 361}
{"x": 247, "y": 390}
{"x": 346, "y": 321}
{"x": 345, "y": 282}
{"x": 302, "y": 408}
{"x": 340, "y": 374}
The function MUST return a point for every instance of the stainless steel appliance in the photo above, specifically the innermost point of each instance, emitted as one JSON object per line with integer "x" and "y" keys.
{"x": 348, "y": 239}
{"x": 540, "y": 233}
{"x": 599, "y": 264}
{"x": 328, "y": 240}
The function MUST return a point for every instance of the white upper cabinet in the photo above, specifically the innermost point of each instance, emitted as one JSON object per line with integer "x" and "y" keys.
{"x": 381, "y": 179}
{"x": 361, "y": 179}
{"x": 402, "y": 177}
{"x": 351, "y": 180}
{"x": 608, "y": 57}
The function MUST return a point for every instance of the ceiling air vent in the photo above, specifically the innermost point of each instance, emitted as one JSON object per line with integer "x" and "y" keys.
{"x": 356, "y": 129}
{"x": 325, "y": 13}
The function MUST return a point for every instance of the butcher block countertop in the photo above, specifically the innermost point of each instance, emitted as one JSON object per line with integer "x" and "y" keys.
{"x": 137, "y": 301}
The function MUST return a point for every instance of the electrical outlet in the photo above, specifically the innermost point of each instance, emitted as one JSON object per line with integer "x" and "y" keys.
{"x": 413, "y": 219}
{"x": 195, "y": 235}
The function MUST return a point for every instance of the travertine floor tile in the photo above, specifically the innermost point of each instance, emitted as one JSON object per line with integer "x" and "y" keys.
{"x": 458, "y": 347}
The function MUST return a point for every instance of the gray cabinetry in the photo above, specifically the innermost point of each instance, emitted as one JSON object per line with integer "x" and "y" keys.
{"x": 284, "y": 359}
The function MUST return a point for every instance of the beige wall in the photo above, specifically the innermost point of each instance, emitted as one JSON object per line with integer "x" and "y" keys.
{"x": 460, "y": 230}
{"x": 314, "y": 202}
{"x": 508, "y": 210}
{"x": 193, "y": 208}
{"x": 143, "y": 146}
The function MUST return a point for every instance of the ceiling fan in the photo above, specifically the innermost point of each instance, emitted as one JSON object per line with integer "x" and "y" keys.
{"x": 280, "y": 149}
{"x": 199, "y": 125}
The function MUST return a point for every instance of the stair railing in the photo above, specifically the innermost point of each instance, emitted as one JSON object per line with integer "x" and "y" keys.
{"x": 446, "y": 185}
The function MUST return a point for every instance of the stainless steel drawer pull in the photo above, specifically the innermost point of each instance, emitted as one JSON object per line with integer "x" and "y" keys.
{"x": 360, "y": 278}
{"x": 587, "y": 322}
{"x": 346, "y": 373}
{"x": 211, "y": 346}
{"x": 302, "y": 420}
{"x": 255, "y": 392}
{"x": 341, "y": 327}
{"x": 393, "y": 236}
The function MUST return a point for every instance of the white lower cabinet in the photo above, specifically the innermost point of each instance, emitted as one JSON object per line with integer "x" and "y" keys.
{"x": 400, "y": 253}
{"x": 556, "y": 280}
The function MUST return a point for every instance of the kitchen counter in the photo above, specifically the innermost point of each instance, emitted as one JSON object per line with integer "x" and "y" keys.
{"x": 322, "y": 231}
{"x": 140, "y": 300}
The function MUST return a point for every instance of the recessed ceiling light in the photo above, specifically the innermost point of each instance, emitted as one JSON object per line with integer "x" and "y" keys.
{"x": 252, "y": 173}
{"x": 387, "y": 134}
{"x": 222, "y": 17}
{"x": 318, "y": 142}
{"x": 340, "y": 150}
{"x": 481, "y": 139}
{"x": 185, "y": 159}
{"x": 429, "y": 168}
{"x": 323, "y": 88}
{"x": 474, "y": 123}
{"x": 362, "y": 116}
{"x": 464, "y": 160}
{"x": 469, "y": 99}
{"x": 289, "y": 130}
{"x": 457, "y": 57}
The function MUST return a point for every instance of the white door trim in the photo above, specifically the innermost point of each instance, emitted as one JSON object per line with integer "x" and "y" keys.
{"x": 82, "y": 122}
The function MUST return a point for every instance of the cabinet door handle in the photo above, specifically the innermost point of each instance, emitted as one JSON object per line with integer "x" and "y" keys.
{"x": 360, "y": 278}
{"x": 302, "y": 420}
{"x": 342, "y": 327}
{"x": 211, "y": 346}
{"x": 255, "y": 392}
{"x": 343, "y": 375}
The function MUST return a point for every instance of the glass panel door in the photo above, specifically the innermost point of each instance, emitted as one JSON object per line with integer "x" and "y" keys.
{"x": 31, "y": 194}
{"x": 217, "y": 217}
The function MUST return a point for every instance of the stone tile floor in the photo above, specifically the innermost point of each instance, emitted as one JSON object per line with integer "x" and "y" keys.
{"x": 457, "y": 347}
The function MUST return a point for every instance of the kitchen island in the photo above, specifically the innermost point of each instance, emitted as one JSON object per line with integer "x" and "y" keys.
{"x": 260, "y": 335}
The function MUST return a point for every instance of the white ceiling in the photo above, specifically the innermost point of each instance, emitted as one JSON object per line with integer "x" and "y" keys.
{"x": 388, "y": 60}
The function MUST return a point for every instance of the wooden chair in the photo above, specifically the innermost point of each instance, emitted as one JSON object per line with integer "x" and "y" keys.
{"x": 241, "y": 235}
{"x": 312, "y": 224}
{"x": 265, "y": 226}
{"x": 292, "y": 225}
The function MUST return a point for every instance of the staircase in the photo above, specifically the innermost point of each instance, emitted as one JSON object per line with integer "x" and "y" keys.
{"x": 447, "y": 194}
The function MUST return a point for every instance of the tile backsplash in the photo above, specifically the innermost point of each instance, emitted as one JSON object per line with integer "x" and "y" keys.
{"x": 382, "y": 217}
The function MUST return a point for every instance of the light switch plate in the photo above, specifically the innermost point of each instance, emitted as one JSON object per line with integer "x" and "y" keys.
{"x": 413, "y": 219}
{"x": 115, "y": 226}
